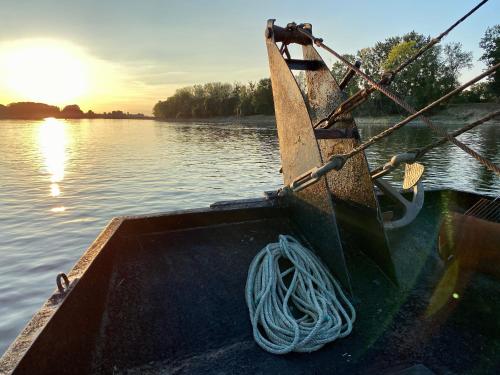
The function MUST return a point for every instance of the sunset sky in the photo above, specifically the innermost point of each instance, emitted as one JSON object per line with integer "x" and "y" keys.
{"x": 127, "y": 54}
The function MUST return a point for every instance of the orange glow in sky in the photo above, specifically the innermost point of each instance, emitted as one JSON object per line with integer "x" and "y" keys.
{"x": 60, "y": 73}
{"x": 106, "y": 57}
{"x": 44, "y": 71}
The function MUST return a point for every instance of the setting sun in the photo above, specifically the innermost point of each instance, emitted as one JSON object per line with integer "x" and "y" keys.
{"x": 45, "y": 71}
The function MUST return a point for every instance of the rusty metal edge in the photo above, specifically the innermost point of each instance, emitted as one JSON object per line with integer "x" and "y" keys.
{"x": 15, "y": 353}
{"x": 296, "y": 137}
{"x": 17, "y": 350}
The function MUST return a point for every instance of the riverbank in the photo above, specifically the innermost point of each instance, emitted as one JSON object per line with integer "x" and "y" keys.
{"x": 227, "y": 120}
{"x": 467, "y": 112}
{"x": 454, "y": 112}
{"x": 40, "y": 111}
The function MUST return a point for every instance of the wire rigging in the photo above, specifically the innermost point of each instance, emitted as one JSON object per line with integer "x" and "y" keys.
{"x": 384, "y": 90}
{"x": 360, "y": 97}
{"x": 437, "y": 39}
{"x": 416, "y": 114}
{"x": 337, "y": 161}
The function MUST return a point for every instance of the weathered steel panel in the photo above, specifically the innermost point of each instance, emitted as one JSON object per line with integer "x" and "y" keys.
{"x": 352, "y": 185}
{"x": 312, "y": 207}
{"x": 353, "y": 181}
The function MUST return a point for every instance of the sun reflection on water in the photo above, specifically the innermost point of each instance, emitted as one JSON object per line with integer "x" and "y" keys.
{"x": 58, "y": 209}
{"x": 55, "y": 191}
{"x": 53, "y": 140}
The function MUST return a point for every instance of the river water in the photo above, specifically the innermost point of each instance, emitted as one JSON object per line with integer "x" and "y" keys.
{"x": 62, "y": 181}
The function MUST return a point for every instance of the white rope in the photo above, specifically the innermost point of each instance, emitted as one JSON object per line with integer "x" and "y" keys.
{"x": 300, "y": 308}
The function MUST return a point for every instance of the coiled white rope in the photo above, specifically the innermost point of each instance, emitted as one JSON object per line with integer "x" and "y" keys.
{"x": 300, "y": 308}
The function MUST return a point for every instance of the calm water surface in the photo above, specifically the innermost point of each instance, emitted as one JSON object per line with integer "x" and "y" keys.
{"x": 62, "y": 181}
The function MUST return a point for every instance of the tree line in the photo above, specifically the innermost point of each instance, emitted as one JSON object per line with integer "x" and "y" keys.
{"x": 218, "y": 99}
{"x": 37, "y": 111}
{"x": 428, "y": 78}
{"x": 431, "y": 76}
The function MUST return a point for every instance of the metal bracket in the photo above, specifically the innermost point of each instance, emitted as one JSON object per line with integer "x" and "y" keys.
{"x": 348, "y": 76}
{"x": 396, "y": 160}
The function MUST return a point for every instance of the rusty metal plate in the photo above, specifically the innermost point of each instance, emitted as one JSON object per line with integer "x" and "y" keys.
{"x": 312, "y": 208}
{"x": 352, "y": 185}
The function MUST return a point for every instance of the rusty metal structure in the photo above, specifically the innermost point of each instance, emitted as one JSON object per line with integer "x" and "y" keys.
{"x": 340, "y": 213}
{"x": 327, "y": 180}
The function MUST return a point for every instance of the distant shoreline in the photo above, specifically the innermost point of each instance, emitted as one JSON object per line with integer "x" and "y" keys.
{"x": 252, "y": 119}
{"x": 453, "y": 112}
{"x": 26, "y": 118}
{"x": 40, "y": 111}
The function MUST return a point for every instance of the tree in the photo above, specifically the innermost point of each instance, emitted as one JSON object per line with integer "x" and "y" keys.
{"x": 217, "y": 99}
{"x": 490, "y": 43}
{"x": 263, "y": 97}
{"x": 455, "y": 59}
{"x": 72, "y": 111}
{"x": 478, "y": 93}
{"x": 30, "y": 110}
{"x": 339, "y": 70}
{"x": 429, "y": 77}
{"x": 245, "y": 105}
{"x": 426, "y": 79}
{"x": 432, "y": 75}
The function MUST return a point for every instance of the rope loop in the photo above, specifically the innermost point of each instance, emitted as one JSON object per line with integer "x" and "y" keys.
{"x": 295, "y": 304}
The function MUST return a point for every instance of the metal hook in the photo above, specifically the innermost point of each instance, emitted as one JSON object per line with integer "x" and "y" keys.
{"x": 62, "y": 276}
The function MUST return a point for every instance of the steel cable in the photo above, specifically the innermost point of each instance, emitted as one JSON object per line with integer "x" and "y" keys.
{"x": 359, "y": 97}
{"x": 437, "y": 39}
{"x": 391, "y": 95}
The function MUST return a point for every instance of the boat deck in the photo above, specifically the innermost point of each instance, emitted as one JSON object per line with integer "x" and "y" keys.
{"x": 166, "y": 296}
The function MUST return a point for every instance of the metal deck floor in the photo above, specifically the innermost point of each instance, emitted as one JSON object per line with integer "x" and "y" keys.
{"x": 176, "y": 306}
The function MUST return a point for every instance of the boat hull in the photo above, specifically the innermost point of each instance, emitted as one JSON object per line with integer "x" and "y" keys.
{"x": 165, "y": 294}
